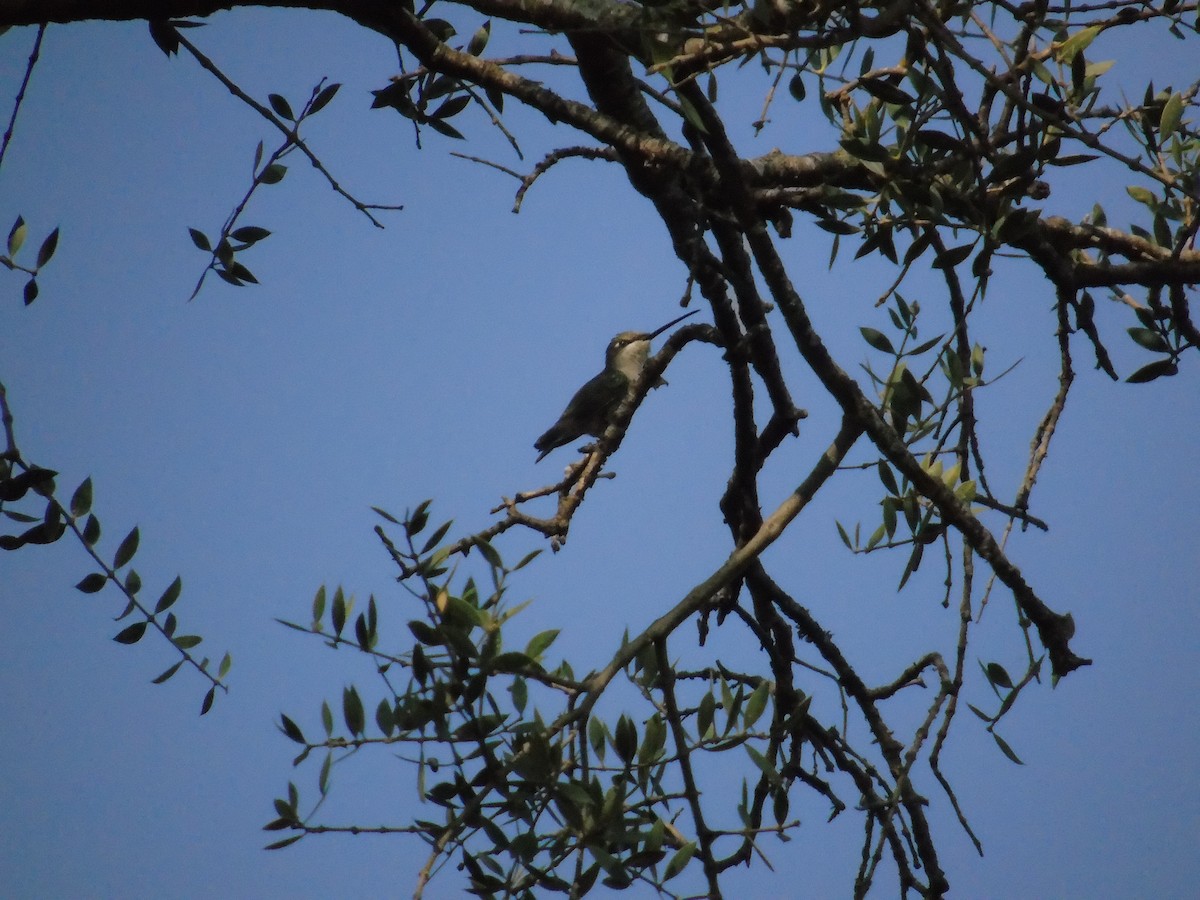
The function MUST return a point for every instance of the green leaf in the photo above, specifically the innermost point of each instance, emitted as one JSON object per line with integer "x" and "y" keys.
{"x": 169, "y": 596}
{"x": 352, "y": 711}
{"x": 31, "y": 291}
{"x": 279, "y": 845}
{"x": 16, "y": 237}
{"x": 953, "y": 256}
{"x": 322, "y": 99}
{"x": 201, "y": 240}
{"x": 167, "y": 674}
{"x": 1159, "y": 369}
{"x": 842, "y": 534}
{"x": 273, "y": 174}
{"x": 979, "y": 712}
{"x": 886, "y": 91}
{"x": 92, "y": 583}
{"x": 281, "y": 106}
{"x": 520, "y": 694}
{"x": 318, "y": 605}
{"x": 207, "y": 703}
{"x": 323, "y": 779}
{"x": 446, "y": 128}
{"x": 625, "y": 739}
{"x": 91, "y": 531}
{"x": 479, "y": 40}
{"x": 436, "y": 537}
{"x": 756, "y": 705}
{"x": 681, "y": 858}
{"x": 132, "y": 634}
{"x": 1150, "y": 339}
{"x": 1172, "y": 111}
{"x": 527, "y": 559}
{"x": 1076, "y": 43}
{"x": 1142, "y": 195}
{"x": 764, "y": 766}
{"x": 250, "y": 234}
{"x": 539, "y": 643}
{"x": 127, "y": 548}
{"x": 339, "y": 612}
{"x": 877, "y": 339}
{"x": 1007, "y": 750}
{"x": 490, "y": 554}
{"x": 49, "y": 245}
{"x": 385, "y": 718}
{"x": 292, "y": 730}
{"x": 187, "y": 641}
{"x": 998, "y": 676}
{"x": 226, "y": 664}
{"x": 81, "y": 500}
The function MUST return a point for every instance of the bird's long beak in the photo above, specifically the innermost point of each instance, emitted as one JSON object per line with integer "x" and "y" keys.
{"x": 655, "y": 334}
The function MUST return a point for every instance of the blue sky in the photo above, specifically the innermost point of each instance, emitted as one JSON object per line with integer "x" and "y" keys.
{"x": 248, "y": 432}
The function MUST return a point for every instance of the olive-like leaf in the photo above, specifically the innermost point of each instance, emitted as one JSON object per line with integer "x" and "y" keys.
{"x": 998, "y": 676}
{"x": 352, "y": 711}
{"x": 273, "y": 174}
{"x": 200, "y": 239}
{"x": 1150, "y": 339}
{"x": 877, "y": 339}
{"x": 1158, "y": 369}
{"x": 291, "y": 730}
{"x": 16, "y": 236}
{"x": 81, "y": 500}
{"x": 168, "y": 673}
{"x": 322, "y": 99}
{"x": 281, "y": 106}
{"x": 127, "y": 548}
{"x": 49, "y": 245}
{"x": 92, "y": 583}
{"x": 1007, "y": 750}
{"x": 169, "y": 596}
{"x": 131, "y": 634}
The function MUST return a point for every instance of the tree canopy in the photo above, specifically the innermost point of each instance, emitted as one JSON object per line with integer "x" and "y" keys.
{"x": 932, "y": 156}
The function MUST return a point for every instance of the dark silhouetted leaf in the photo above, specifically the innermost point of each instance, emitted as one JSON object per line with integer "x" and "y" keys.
{"x": 352, "y": 711}
{"x": 81, "y": 500}
{"x": 92, "y": 583}
{"x": 1160, "y": 369}
{"x": 322, "y": 99}
{"x": 292, "y": 730}
{"x": 1150, "y": 339}
{"x": 273, "y": 174}
{"x": 282, "y": 108}
{"x": 877, "y": 339}
{"x": 127, "y": 548}
{"x": 1007, "y": 750}
{"x": 167, "y": 674}
{"x": 132, "y": 634}
{"x": 169, "y": 596}
{"x": 998, "y": 676}
{"x": 49, "y": 245}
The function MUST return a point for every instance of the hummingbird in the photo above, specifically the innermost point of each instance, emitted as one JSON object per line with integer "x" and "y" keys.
{"x": 593, "y": 405}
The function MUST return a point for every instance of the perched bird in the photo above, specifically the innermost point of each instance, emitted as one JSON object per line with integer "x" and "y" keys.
{"x": 593, "y": 405}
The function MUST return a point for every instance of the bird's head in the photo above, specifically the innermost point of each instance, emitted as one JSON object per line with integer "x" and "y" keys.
{"x": 628, "y": 351}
